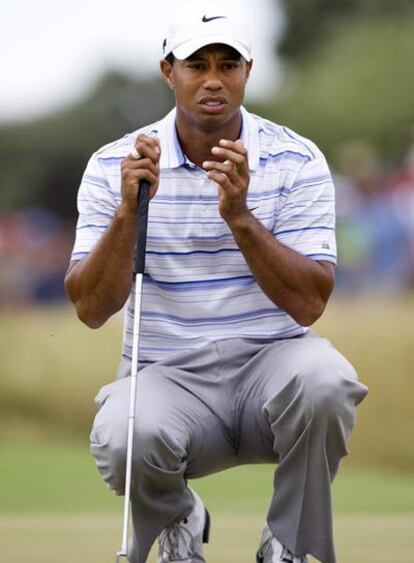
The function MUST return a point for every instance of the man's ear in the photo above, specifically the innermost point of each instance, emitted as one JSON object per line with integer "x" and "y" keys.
{"x": 249, "y": 65}
{"x": 166, "y": 71}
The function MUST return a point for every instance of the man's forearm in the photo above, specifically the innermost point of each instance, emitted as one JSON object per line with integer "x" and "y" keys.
{"x": 295, "y": 283}
{"x": 100, "y": 283}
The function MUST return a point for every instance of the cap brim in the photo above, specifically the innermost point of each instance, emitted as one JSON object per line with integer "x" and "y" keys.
{"x": 190, "y": 47}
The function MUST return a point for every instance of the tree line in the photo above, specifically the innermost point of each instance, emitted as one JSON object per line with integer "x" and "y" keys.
{"x": 348, "y": 76}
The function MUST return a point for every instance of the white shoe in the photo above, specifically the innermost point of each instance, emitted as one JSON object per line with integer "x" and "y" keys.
{"x": 272, "y": 551}
{"x": 183, "y": 541}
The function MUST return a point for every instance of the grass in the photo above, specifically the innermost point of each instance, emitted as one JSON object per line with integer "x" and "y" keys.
{"x": 62, "y": 478}
{"x": 377, "y": 336}
{"x": 53, "y": 506}
{"x": 95, "y": 539}
{"x": 51, "y": 366}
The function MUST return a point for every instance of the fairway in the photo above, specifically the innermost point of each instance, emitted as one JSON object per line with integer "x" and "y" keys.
{"x": 94, "y": 539}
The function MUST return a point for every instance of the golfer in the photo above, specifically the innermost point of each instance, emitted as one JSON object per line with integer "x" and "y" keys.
{"x": 240, "y": 262}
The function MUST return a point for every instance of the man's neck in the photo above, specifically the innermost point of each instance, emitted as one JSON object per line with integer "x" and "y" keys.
{"x": 197, "y": 142}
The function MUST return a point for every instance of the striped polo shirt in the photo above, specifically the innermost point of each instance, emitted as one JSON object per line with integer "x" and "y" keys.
{"x": 197, "y": 285}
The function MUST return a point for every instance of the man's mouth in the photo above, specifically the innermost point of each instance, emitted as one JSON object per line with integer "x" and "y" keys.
{"x": 213, "y": 105}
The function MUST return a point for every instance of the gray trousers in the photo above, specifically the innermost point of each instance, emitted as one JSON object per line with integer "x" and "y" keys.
{"x": 289, "y": 402}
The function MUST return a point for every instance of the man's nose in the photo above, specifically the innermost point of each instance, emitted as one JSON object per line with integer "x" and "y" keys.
{"x": 213, "y": 80}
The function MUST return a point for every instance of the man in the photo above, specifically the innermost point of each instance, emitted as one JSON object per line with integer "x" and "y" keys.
{"x": 240, "y": 260}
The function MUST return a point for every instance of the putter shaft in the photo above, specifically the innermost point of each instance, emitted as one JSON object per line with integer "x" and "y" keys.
{"x": 143, "y": 201}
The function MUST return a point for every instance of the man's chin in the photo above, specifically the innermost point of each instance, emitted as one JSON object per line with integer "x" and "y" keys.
{"x": 216, "y": 120}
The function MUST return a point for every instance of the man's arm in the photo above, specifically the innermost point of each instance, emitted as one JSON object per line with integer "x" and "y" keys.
{"x": 100, "y": 283}
{"x": 297, "y": 284}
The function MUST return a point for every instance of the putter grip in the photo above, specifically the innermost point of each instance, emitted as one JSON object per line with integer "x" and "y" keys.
{"x": 143, "y": 201}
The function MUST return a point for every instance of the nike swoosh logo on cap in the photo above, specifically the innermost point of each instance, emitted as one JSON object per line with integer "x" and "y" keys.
{"x": 206, "y": 19}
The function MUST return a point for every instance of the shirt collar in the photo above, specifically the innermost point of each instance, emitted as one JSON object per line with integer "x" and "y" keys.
{"x": 250, "y": 137}
{"x": 172, "y": 155}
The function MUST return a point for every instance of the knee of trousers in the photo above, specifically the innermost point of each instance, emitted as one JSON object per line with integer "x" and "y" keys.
{"x": 323, "y": 390}
{"x": 156, "y": 454}
{"x": 108, "y": 445}
{"x": 332, "y": 390}
{"x": 159, "y": 446}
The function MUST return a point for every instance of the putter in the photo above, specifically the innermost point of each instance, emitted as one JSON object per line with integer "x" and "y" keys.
{"x": 143, "y": 201}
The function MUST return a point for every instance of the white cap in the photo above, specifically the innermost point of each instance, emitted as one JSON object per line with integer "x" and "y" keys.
{"x": 201, "y": 24}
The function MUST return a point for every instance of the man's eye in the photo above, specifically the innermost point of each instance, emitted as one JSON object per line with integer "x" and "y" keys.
{"x": 229, "y": 65}
{"x": 196, "y": 66}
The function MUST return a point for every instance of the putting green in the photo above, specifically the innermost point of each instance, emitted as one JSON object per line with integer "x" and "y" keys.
{"x": 62, "y": 478}
{"x": 55, "y": 508}
{"x": 95, "y": 539}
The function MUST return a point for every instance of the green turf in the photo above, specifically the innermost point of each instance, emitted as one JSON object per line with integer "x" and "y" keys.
{"x": 96, "y": 538}
{"x": 54, "y": 506}
{"x": 51, "y": 366}
{"x": 63, "y": 479}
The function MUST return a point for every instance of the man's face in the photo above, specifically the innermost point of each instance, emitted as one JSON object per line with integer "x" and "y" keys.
{"x": 209, "y": 85}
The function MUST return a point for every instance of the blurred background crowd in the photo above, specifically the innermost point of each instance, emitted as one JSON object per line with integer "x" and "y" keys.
{"x": 345, "y": 81}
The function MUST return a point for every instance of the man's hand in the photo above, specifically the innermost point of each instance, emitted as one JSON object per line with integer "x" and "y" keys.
{"x": 231, "y": 173}
{"x": 144, "y": 168}
{"x": 100, "y": 283}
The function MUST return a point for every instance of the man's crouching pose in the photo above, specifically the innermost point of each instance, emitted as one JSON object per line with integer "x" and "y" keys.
{"x": 240, "y": 262}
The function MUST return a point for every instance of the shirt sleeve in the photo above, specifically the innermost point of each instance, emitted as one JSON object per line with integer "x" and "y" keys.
{"x": 96, "y": 207}
{"x": 306, "y": 220}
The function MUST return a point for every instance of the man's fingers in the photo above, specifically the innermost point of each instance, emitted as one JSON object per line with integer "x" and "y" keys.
{"x": 130, "y": 164}
{"x": 226, "y": 167}
{"x": 142, "y": 163}
{"x": 134, "y": 176}
{"x": 145, "y": 147}
{"x": 224, "y": 181}
{"x": 134, "y": 154}
{"x": 151, "y": 140}
{"x": 231, "y": 170}
{"x": 233, "y": 151}
{"x": 144, "y": 142}
{"x": 228, "y": 181}
{"x": 227, "y": 154}
{"x": 234, "y": 146}
{"x": 237, "y": 146}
